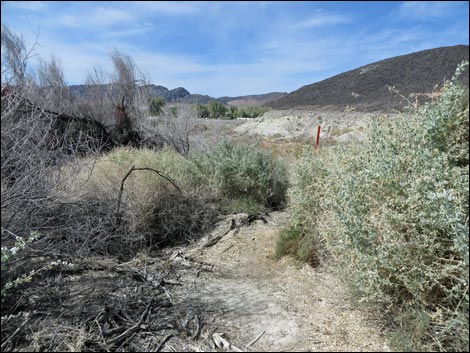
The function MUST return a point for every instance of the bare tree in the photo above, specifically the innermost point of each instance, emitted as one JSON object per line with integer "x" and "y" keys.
{"x": 36, "y": 142}
{"x": 52, "y": 86}
{"x": 117, "y": 98}
{"x": 172, "y": 128}
{"x": 14, "y": 58}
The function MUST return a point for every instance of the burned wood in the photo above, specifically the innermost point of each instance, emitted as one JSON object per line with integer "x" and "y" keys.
{"x": 13, "y": 335}
{"x": 126, "y": 342}
{"x": 198, "y": 328}
{"x": 132, "y": 329}
{"x": 163, "y": 341}
{"x": 104, "y": 345}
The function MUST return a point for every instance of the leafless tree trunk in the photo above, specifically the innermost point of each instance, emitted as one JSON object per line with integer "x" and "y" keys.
{"x": 117, "y": 98}
{"x": 171, "y": 129}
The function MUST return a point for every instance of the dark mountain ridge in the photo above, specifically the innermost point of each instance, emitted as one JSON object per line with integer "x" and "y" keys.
{"x": 367, "y": 87}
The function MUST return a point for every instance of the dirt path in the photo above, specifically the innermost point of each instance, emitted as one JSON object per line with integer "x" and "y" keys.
{"x": 247, "y": 293}
{"x": 183, "y": 297}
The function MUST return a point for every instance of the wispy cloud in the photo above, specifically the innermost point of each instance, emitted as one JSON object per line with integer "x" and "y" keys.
{"x": 29, "y": 5}
{"x": 168, "y": 7}
{"x": 99, "y": 17}
{"x": 427, "y": 9}
{"x": 128, "y": 32}
{"x": 321, "y": 18}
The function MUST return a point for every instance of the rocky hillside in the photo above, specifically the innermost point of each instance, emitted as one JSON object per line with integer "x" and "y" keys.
{"x": 178, "y": 95}
{"x": 367, "y": 87}
{"x": 256, "y": 99}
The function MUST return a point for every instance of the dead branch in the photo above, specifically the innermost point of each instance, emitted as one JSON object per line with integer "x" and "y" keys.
{"x": 215, "y": 239}
{"x": 132, "y": 329}
{"x": 198, "y": 328}
{"x": 13, "y": 335}
{"x": 150, "y": 169}
{"x": 255, "y": 339}
{"x": 162, "y": 342}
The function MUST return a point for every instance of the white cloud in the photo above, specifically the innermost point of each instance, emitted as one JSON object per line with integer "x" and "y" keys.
{"x": 167, "y": 7}
{"x": 321, "y": 18}
{"x": 98, "y": 18}
{"x": 28, "y": 5}
{"x": 126, "y": 32}
{"x": 426, "y": 9}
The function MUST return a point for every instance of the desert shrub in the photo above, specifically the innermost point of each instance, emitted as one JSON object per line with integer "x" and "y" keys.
{"x": 202, "y": 111}
{"x": 288, "y": 242}
{"x": 251, "y": 111}
{"x": 232, "y": 112}
{"x": 156, "y": 106}
{"x": 153, "y": 209}
{"x": 216, "y": 110}
{"x": 35, "y": 144}
{"x": 173, "y": 128}
{"x": 242, "y": 205}
{"x": 394, "y": 213}
{"x": 243, "y": 172}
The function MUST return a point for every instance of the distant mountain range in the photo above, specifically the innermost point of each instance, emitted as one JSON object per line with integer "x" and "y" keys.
{"x": 367, "y": 87}
{"x": 182, "y": 95}
{"x": 256, "y": 99}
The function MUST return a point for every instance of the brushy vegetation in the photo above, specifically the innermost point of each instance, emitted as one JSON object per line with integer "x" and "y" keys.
{"x": 216, "y": 110}
{"x": 229, "y": 177}
{"x": 392, "y": 213}
{"x": 156, "y": 106}
{"x": 244, "y": 173}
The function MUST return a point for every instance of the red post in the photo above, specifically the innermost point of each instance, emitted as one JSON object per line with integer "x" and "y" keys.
{"x": 317, "y": 138}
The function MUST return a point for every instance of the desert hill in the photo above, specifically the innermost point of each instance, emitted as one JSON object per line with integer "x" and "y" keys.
{"x": 367, "y": 87}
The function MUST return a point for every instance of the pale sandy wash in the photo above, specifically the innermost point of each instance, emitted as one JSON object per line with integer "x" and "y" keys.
{"x": 336, "y": 125}
{"x": 298, "y": 309}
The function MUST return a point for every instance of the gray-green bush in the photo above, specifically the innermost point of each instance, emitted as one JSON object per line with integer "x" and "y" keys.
{"x": 237, "y": 172}
{"x": 156, "y": 106}
{"x": 393, "y": 212}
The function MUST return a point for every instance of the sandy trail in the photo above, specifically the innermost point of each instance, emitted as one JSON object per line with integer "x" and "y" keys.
{"x": 297, "y": 309}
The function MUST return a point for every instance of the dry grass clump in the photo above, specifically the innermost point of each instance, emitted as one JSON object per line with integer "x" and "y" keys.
{"x": 156, "y": 210}
{"x": 286, "y": 148}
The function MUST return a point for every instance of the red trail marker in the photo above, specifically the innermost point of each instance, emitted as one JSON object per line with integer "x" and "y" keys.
{"x": 317, "y": 138}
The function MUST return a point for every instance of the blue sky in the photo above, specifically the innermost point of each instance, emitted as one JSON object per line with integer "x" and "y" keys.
{"x": 235, "y": 48}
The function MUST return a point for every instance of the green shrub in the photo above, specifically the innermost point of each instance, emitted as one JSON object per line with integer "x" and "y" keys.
{"x": 251, "y": 111}
{"x": 243, "y": 172}
{"x": 173, "y": 111}
{"x": 216, "y": 110}
{"x": 232, "y": 112}
{"x": 288, "y": 242}
{"x": 394, "y": 213}
{"x": 156, "y": 106}
{"x": 242, "y": 205}
{"x": 202, "y": 111}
